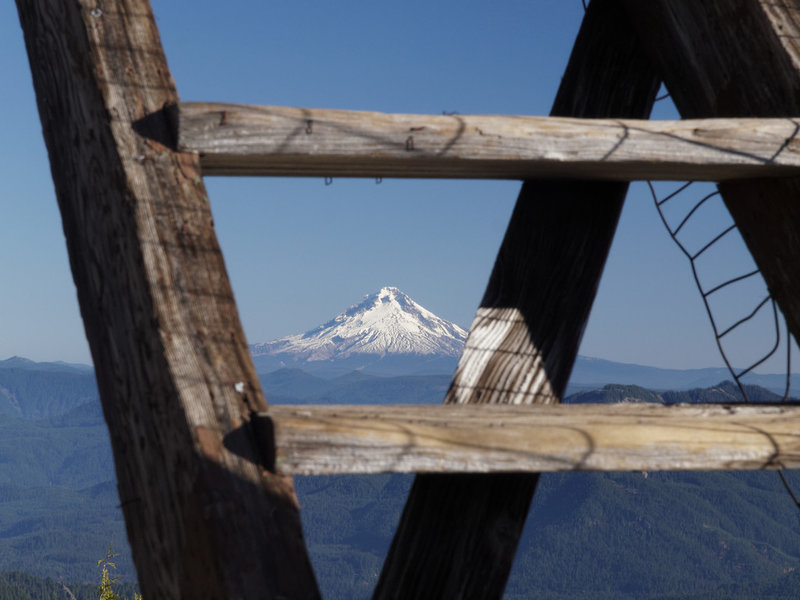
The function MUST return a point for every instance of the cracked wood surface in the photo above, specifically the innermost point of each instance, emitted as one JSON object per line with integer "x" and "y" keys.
{"x": 331, "y": 439}
{"x": 234, "y": 139}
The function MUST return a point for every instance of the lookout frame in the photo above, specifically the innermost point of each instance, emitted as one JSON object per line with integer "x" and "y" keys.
{"x": 198, "y": 453}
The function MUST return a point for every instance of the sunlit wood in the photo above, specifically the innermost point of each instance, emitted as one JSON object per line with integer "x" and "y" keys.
{"x": 563, "y": 437}
{"x": 276, "y": 140}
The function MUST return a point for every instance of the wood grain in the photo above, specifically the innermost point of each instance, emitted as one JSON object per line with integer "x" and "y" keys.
{"x": 458, "y": 533}
{"x": 203, "y": 522}
{"x": 324, "y": 440}
{"x": 274, "y": 140}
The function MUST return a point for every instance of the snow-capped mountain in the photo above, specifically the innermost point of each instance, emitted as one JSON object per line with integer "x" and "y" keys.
{"x": 386, "y": 327}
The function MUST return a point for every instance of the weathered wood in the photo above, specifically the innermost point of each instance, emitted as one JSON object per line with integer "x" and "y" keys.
{"x": 723, "y": 58}
{"x": 323, "y": 440}
{"x": 171, "y": 360}
{"x": 525, "y": 336}
{"x": 458, "y": 533}
{"x": 273, "y": 140}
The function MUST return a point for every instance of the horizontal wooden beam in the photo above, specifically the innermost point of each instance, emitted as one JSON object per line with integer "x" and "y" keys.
{"x": 283, "y": 141}
{"x": 313, "y": 440}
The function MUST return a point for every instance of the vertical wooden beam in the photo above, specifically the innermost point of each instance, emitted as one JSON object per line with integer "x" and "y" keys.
{"x": 458, "y": 533}
{"x": 726, "y": 58}
{"x": 170, "y": 355}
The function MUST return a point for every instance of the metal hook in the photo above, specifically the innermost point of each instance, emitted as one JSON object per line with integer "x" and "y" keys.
{"x": 378, "y": 180}
{"x": 328, "y": 180}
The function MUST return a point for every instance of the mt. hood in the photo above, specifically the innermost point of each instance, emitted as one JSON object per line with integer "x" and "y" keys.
{"x": 387, "y": 333}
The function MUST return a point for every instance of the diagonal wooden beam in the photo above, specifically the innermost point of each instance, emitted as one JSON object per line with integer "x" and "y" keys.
{"x": 174, "y": 374}
{"x": 458, "y": 533}
{"x": 738, "y": 58}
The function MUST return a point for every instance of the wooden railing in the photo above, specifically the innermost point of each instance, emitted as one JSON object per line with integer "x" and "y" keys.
{"x": 234, "y": 139}
{"x": 315, "y": 440}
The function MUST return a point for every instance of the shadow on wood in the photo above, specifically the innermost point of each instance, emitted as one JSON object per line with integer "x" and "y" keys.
{"x": 537, "y": 301}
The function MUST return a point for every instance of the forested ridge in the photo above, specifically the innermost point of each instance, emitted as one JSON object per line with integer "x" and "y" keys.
{"x": 665, "y": 536}
{"x": 16, "y": 585}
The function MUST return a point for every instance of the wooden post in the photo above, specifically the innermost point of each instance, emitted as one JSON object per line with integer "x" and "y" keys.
{"x": 204, "y": 522}
{"x": 458, "y": 533}
{"x": 725, "y": 58}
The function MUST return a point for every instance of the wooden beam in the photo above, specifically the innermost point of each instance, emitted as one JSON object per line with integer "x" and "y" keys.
{"x": 173, "y": 370}
{"x": 738, "y": 58}
{"x": 274, "y": 140}
{"x": 458, "y": 533}
{"x": 325, "y": 440}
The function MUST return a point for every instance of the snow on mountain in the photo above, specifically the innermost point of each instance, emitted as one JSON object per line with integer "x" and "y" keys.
{"x": 385, "y": 323}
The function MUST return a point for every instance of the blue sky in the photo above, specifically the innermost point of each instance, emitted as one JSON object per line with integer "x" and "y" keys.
{"x": 299, "y": 251}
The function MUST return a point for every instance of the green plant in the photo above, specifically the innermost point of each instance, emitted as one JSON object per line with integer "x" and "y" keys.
{"x": 106, "y": 589}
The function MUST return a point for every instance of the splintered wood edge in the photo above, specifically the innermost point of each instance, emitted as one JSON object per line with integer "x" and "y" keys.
{"x": 339, "y": 439}
{"x": 236, "y": 139}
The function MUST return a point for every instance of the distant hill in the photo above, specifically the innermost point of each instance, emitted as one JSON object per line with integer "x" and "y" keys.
{"x": 723, "y": 392}
{"x": 658, "y": 535}
{"x": 590, "y": 373}
{"x": 293, "y": 386}
{"x": 665, "y": 536}
{"x": 19, "y": 362}
{"x": 59, "y": 506}
{"x": 34, "y": 390}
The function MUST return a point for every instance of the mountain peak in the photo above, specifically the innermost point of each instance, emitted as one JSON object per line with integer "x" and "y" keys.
{"x": 383, "y": 323}
{"x": 389, "y": 290}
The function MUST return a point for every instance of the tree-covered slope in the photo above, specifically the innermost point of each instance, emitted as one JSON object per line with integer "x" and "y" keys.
{"x": 59, "y": 506}
{"x": 589, "y": 535}
{"x": 38, "y": 393}
{"x": 17, "y": 585}
{"x": 654, "y": 535}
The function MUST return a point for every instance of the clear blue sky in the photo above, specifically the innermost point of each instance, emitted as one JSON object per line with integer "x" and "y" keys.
{"x": 299, "y": 251}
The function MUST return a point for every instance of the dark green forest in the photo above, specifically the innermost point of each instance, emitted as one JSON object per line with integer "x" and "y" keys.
{"x": 16, "y": 585}
{"x": 654, "y": 535}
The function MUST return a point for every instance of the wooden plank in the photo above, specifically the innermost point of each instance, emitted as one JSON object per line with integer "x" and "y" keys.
{"x": 458, "y": 533}
{"x": 725, "y": 58}
{"x": 324, "y": 440}
{"x": 274, "y": 140}
{"x": 172, "y": 365}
